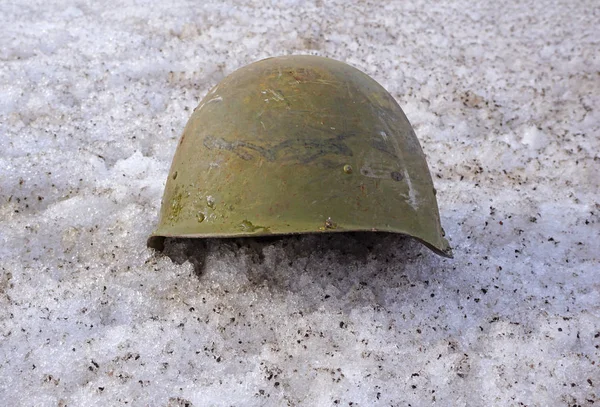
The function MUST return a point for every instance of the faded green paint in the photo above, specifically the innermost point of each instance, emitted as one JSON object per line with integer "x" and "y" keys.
{"x": 299, "y": 144}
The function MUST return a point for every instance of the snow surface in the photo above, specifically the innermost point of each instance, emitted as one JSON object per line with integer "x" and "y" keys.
{"x": 504, "y": 97}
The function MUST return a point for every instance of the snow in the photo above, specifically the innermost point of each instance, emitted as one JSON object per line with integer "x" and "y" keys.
{"x": 504, "y": 98}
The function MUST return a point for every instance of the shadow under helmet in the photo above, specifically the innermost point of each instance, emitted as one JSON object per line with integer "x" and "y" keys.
{"x": 299, "y": 144}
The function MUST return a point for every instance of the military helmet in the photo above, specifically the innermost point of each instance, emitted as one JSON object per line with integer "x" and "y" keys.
{"x": 299, "y": 144}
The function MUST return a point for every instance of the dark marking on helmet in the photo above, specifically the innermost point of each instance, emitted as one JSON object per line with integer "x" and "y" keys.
{"x": 175, "y": 175}
{"x": 307, "y": 150}
{"x": 396, "y": 176}
{"x": 379, "y": 144}
{"x": 296, "y": 149}
{"x": 240, "y": 148}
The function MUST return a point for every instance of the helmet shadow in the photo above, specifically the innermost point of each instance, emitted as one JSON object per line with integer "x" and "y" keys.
{"x": 335, "y": 263}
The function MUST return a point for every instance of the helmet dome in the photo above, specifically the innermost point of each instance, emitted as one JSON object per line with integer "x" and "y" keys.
{"x": 299, "y": 144}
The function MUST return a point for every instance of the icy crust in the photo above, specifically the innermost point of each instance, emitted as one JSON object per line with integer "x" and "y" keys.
{"x": 93, "y": 98}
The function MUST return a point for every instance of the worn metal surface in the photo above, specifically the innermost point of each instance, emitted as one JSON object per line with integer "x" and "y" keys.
{"x": 299, "y": 144}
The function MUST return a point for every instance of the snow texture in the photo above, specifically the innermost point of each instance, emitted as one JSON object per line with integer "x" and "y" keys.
{"x": 504, "y": 97}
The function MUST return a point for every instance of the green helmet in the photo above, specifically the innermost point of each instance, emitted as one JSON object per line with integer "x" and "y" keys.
{"x": 299, "y": 144}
